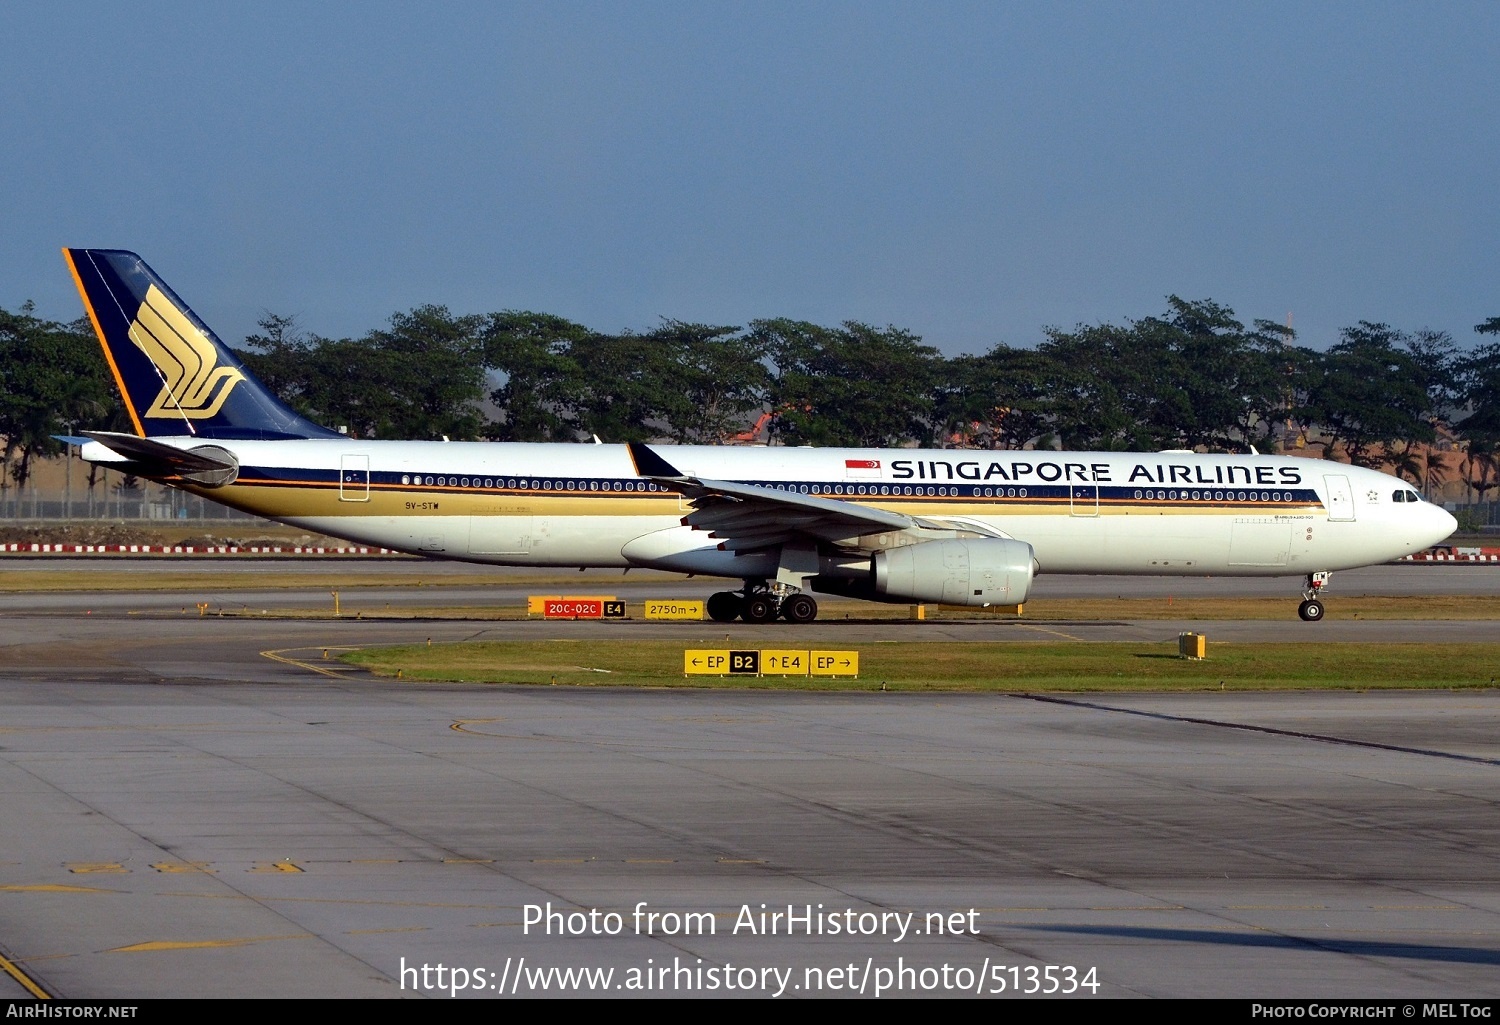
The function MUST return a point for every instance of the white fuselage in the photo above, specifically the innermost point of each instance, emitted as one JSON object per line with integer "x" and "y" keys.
{"x": 1164, "y": 513}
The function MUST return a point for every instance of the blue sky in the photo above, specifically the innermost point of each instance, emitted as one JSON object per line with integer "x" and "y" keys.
{"x": 969, "y": 172}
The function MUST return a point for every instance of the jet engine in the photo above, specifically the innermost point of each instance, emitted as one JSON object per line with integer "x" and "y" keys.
{"x": 960, "y": 571}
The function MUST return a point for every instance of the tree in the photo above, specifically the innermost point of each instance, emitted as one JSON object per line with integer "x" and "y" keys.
{"x": 715, "y": 379}
{"x": 1477, "y": 388}
{"x": 1094, "y": 380}
{"x": 1193, "y": 378}
{"x": 284, "y": 359}
{"x": 622, "y": 387}
{"x": 1229, "y": 385}
{"x": 1437, "y": 362}
{"x": 1434, "y": 472}
{"x": 531, "y": 353}
{"x": 52, "y": 378}
{"x": 420, "y": 377}
{"x": 998, "y": 400}
{"x": 1478, "y": 466}
{"x": 855, "y": 385}
{"x": 431, "y": 366}
{"x": 1372, "y": 394}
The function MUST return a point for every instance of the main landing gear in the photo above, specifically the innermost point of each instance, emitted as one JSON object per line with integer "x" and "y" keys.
{"x": 759, "y": 603}
{"x": 1311, "y": 610}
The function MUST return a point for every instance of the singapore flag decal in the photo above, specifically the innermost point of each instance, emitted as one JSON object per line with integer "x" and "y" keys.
{"x": 860, "y": 468}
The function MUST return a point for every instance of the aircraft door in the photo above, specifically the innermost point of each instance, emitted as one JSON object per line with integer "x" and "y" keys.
{"x": 1340, "y": 497}
{"x": 354, "y": 478}
{"x": 1083, "y": 500}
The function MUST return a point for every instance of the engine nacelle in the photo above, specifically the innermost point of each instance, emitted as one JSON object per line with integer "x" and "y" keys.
{"x": 977, "y": 571}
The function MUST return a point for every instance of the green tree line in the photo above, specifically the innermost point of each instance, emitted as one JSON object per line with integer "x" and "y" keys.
{"x": 1192, "y": 377}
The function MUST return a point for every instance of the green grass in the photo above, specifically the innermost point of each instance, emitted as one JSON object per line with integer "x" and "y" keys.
{"x": 929, "y": 666}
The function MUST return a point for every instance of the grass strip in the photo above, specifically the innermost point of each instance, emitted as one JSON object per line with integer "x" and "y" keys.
{"x": 946, "y": 666}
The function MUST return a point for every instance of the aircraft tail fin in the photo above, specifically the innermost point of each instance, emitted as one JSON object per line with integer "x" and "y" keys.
{"x": 176, "y": 377}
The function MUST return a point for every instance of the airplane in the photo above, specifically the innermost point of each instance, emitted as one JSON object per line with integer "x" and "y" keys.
{"x": 905, "y": 526}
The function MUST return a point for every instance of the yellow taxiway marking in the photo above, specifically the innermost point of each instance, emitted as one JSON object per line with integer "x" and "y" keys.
{"x": 1054, "y": 633}
{"x": 347, "y": 901}
{"x": 25, "y": 980}
{"x": 468, "y": 861}
{"x": 1417, "y": 907}
{"x": 52, "y": 888}
{"x": 342, "y": 670}
{"x": 377, "y": 932}
{"x": 739, "y": 719}
{"x": 107, "y": 867}
{"x": 275, "y": 866}
{"x": 152, "y": 946}
{"x": 462, "y": 726}
{"x": 172, "y": 867}
{"x": 1276, "y": 907}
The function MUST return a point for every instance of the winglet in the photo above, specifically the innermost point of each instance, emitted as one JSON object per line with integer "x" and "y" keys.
{"x": 649, "y": 464}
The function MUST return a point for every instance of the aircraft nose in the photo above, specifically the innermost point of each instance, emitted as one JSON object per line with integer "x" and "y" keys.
{"x": 1443, "y": 523}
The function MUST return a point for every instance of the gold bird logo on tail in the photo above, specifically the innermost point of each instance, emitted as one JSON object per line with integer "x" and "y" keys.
{"x": 193, "y": 385}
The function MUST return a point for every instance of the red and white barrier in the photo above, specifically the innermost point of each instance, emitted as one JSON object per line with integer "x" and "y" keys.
{"x": 35, "y": 548}
{"x": 1486, "y": 555}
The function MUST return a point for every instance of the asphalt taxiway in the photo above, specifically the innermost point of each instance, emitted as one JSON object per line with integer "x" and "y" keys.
{"x": 188, "y": 816}
{"x": 425, "y": 585}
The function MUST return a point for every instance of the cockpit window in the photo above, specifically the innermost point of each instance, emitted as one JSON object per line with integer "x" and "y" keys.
{"x": 1398, "y": 496}
{"x": 1412, "y": 496}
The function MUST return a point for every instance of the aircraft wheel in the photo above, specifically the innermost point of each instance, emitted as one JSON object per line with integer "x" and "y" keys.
{"x": 724, "y": 606}
{"x": 759, "y": 608}
{"x": 1311, "y": 610}
{"x": 799, "y": 608}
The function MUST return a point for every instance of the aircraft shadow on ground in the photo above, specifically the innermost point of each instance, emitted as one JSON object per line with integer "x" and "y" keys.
{"x": 1263, "y": 940}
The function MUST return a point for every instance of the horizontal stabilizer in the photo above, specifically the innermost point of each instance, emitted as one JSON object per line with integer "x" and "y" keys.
{"x": 156, "y": 459}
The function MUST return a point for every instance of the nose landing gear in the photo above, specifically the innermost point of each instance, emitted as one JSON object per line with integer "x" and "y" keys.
{"x": 1311, "y": 610}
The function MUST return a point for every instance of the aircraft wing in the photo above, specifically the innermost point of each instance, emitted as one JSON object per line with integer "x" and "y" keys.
{"x": 747, "y": 517}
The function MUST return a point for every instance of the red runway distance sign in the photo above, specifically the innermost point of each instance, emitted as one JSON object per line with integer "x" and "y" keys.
{"x": 573, "y": 608}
